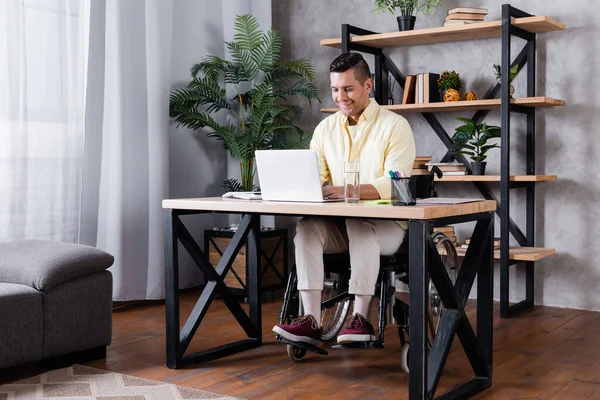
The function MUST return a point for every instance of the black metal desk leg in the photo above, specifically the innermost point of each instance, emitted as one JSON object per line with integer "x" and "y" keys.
{"x": 253, "y": 262}
{"x": 417, "y": 277}
{"x": 171, "y": 287}
{"x": 485, "y": 306}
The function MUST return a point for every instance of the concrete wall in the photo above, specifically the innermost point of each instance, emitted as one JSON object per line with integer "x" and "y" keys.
{"x": 567, "y": 215}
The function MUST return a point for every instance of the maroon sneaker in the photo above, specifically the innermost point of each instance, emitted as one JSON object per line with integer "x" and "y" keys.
{"x": 304, "y": 329}
{"x": 358, "y": 329}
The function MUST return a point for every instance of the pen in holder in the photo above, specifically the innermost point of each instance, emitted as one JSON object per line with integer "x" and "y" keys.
{"x": 404, "y": 191}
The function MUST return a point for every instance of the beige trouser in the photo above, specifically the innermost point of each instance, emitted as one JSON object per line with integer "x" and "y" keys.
{"x": 365, "y": 240}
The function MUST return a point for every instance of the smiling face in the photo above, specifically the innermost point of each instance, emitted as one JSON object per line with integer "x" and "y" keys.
{"x": 350, "y": 94}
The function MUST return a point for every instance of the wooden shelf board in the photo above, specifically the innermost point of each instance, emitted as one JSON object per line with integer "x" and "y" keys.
{"x": 473, "y": 105}
{"x": 445, "y": 34}
{"x": 496, "y": 178}
{"x": 517, "y": 253}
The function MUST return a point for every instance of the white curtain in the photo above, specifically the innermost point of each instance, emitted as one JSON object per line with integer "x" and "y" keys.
{"x": 102, "y": 70}
{"x": 43, "y": 58}
{"x": 134, "y": 162}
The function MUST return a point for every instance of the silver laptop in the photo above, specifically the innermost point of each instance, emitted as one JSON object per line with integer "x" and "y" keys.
{"x": 290, "y": 175}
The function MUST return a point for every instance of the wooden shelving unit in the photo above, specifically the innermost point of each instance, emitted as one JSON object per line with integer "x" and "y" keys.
{"x": 515, "y": 253}
{"x": 475, "y": 105}
{"x": 446, "y": 34}
{"x": 514, "y": 23}
{"x": 496, "y": 178}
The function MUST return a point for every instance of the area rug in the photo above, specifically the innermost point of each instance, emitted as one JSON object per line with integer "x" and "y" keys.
{"x": 84, "y": 383}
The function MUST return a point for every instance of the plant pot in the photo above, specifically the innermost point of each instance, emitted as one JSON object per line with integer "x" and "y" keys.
{"x": 478, "y": 168}
{"x": 406, "y": 22}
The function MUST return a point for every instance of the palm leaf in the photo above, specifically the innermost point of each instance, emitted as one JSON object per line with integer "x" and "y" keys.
{"x": 247, "y": 33}
{"x": 266, "y": 54}
{"x": 212, "y": 67}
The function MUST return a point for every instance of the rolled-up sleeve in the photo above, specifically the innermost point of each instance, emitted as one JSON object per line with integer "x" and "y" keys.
{"x": 316, "y": 144}
{"x": 399, "y": 156}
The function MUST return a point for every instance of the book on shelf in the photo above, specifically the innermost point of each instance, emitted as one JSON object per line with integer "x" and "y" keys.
{"x": 431, "y": 93}
{"x": 445, "y": 229}
{"x": 408, "y": 97}
{"x": 448, "y": 167}
{"x": 496, "y": 243}
{"x": 468, "y": 10}
{"x": 426, "y": 88}
{"x": 421, "y": 162}
{"x": 464, "y": 16}
{"x": 455, "y": 22}
{"x": 419, "y": 171}
{"x": 419, "y": 89}
{"x": 454, "y": 173}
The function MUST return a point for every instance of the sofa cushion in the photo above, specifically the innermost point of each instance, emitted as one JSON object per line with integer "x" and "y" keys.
{"x": 71, "y": 326}
{"x": 21, "y": 325}
{"x": 43, "y": 264}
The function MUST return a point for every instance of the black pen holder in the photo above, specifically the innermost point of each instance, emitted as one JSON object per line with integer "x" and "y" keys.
{"x": 404, "y": 191}
{"x": 425, "y": 183}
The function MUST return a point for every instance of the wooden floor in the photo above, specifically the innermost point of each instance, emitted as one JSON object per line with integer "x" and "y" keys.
{"x": 546, "y": 353}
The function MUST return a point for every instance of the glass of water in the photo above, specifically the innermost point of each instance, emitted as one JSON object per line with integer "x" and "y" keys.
{"x": 352, "y": 182}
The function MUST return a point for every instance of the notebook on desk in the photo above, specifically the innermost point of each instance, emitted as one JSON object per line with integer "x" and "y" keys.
{"x": 290, "y": 175}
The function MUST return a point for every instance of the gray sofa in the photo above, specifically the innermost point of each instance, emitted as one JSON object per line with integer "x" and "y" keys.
{"x": 55, "y": 300}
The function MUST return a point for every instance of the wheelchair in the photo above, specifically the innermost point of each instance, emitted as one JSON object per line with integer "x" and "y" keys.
{"x": 336, "y": 301}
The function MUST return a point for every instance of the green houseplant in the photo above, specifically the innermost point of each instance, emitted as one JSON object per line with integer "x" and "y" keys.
{"x": 472, "y": 139}
{"x": 258, "y": 116}
{"x": 409, "y": 9}
{"x": 449, "y": 80}
{"x": 511, "y": 75}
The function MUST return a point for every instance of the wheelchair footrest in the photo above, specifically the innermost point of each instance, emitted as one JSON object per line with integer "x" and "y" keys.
{"x": 358, "y": 345}
{"x": 302, "y": 345}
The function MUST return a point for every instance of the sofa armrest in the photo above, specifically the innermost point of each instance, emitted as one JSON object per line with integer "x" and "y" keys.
{"x": 43, "y": 264}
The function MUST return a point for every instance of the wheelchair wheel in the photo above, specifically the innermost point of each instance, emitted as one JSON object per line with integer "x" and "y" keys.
{"x": 295, "y": 353}
{"x": 334, "y": 310}
{"x": 335, "y": 304}
{"x": 452, "y": 264}
{"x": 404, "y": 357}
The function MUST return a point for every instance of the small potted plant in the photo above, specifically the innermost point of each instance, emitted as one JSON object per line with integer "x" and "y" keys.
{"x": 450, "y": 83}
{"x": 512, "y": 75}
{"x": 471, "y": 139}
{"x": 408, "y": 10}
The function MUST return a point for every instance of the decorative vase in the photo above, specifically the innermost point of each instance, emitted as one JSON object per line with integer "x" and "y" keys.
{"x": 478, "y": 168}
{"x": 511, "y": 90}
{"x": 406, "y": 22}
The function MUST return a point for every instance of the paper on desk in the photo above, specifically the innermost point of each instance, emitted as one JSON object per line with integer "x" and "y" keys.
{"x": 243, "y": 195}
{"x": 446, "y": 200}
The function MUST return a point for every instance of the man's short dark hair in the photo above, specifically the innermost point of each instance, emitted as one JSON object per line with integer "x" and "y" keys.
{"x": 353, "y": 61}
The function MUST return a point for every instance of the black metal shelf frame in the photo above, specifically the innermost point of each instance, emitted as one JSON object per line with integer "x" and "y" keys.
{"x": 526, "y": 57}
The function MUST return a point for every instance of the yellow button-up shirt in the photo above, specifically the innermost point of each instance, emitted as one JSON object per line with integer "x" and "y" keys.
{"x": 383, "y": 141}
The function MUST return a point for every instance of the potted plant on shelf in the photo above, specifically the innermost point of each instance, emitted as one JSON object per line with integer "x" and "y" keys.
{"x": 408, "y": 10}
{"x": 258, "y": 116}
{"x": 512, "y": 75}
{"x": 471, "y": 139}
{"x": 449, "y": 84}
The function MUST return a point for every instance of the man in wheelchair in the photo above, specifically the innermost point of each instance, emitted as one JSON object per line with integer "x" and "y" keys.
{"x": 380, "y": 141}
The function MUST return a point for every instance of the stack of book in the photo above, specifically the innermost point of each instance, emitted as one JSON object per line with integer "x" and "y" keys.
{"x": 465, "y": 15}
{"x": 496, "y": 243}
{"x": 420, "y": 165}
{"x": 449, "y": 169}
{"x": 421, "y": 88}
{"x": 448, "y": 231}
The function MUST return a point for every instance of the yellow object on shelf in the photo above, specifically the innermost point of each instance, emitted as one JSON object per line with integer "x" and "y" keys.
{"x": 452, "y": 95}
{"x": 470, "y": 96}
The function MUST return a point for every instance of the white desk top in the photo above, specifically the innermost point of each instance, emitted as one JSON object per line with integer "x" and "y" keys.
{"x": 418, "y": 212}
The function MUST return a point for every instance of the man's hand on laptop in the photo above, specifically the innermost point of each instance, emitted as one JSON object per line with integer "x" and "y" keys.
{"x": 333, "y": 192}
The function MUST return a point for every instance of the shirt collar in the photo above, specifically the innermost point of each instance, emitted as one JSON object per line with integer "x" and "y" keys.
{"x": 368, "y": 114}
